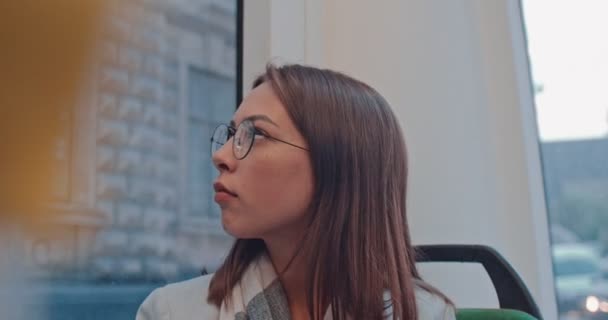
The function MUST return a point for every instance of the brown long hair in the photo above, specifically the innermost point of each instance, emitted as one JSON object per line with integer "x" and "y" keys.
{"x": 357, "y": 243}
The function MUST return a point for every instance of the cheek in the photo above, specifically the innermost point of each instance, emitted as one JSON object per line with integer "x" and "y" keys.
{"x": 278, "y": 191}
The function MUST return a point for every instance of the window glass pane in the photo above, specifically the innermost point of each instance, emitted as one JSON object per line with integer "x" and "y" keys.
{"x": 211, "y": 102}
{"x": 569, "y": 64}
{"x": 133, "y": 205}
{"x": 200, "y": 177}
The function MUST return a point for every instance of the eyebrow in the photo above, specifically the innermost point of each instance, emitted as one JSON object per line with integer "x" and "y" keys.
{"x": 254, "y": 118}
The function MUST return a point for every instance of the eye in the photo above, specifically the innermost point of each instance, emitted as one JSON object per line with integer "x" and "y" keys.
{"x": 231, "y": 133}
{"x": 259, "y": 134}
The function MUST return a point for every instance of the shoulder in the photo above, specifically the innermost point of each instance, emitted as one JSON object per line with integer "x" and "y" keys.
{"x": 432, "y": 306}
{"x": 178, "y": 301}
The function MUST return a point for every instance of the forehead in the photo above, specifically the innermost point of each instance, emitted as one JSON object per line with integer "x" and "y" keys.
{"x": 262, "y": 100}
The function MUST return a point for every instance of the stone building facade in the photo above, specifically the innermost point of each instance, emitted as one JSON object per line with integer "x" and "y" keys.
{"x": 134, "y": 196}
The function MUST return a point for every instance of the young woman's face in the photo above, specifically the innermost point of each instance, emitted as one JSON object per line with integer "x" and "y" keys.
{"x": 270, "y": 189}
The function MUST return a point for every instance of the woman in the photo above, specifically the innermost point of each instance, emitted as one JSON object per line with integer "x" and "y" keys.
{"x": 312, "y": 185}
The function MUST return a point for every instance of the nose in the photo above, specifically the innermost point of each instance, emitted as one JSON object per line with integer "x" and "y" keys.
{"x": 223, "y": 159}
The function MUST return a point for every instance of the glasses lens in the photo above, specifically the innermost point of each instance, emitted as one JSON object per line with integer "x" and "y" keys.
{"x": 243, "y": 139}
{"x": 219, "y": 137}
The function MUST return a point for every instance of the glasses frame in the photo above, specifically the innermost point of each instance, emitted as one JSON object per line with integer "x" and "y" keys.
{"x": 231, "y": 132}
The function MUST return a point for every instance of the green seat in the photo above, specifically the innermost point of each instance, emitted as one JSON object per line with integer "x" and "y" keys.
{"x": 492, "y": 314}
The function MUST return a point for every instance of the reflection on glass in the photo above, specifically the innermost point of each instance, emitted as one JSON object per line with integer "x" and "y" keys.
{"x": 133, "y": 175}
{"x": 569, "y": 64}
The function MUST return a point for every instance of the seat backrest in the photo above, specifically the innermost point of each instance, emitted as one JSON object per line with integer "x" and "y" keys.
{"x": 492, "y": 314}
{"x": 511, "y": 291}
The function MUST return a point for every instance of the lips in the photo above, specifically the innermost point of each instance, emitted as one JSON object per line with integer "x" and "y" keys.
{"x": 219, "y": 187}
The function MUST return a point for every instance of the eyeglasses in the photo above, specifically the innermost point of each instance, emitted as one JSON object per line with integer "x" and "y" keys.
{"x": 243, "y": 135}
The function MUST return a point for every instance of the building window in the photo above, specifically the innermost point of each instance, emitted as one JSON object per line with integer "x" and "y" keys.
{"x": 210, "y": 103}
{"x": 62, "y": 158}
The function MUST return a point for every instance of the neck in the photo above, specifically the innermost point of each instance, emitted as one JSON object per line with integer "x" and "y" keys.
{"x": 291, "y": 268}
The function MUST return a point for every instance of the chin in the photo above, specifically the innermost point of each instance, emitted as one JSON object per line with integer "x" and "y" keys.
{"x": 239, "y": 229}
{"x": 233, "y": 226}
{"x": 227, "y": 225}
